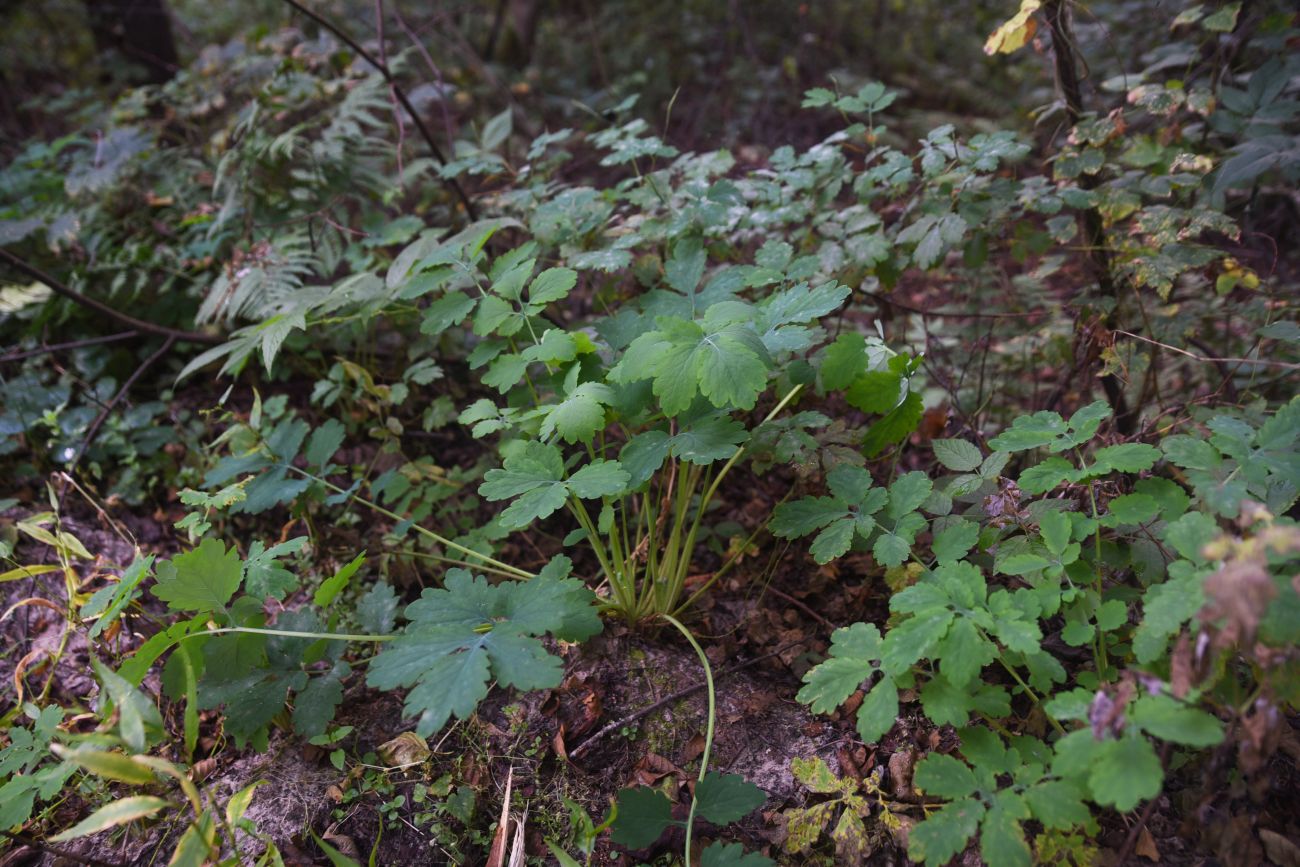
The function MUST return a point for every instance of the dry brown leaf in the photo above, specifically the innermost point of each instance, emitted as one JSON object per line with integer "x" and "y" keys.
{"x": 1146, "y": 846}
{"x": 652, "y": 768}
{"x": 901, "y": 764}
{"x": 1280, "y": 850}
{"x": 408, "y": 748}
{"x": 1238, "y": 597}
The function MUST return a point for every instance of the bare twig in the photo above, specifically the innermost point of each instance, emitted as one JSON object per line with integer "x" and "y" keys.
{"x": 956, "y": 314}
{"x": 1263, "y": 362}
{"x": 95, "y": 425}
{"x": 1067, "y": 62}
{"x": 1136, "y": 831}
{"x": 448, "y": 130}
{"x": 71, "y": 344}
{"x": 57, "y": 852}
{"x": 387, "y": 75}
{"x": 99, "y": 307}
{"x": 786, "y": 597}
{"x": 666, "y": 700}
{"x": 392, "y": 94}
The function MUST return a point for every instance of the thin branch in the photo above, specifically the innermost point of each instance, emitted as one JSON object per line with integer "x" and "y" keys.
{"x": 666, "y": 700}
{"x": 99, "y": 307}
{"x": 71, "y": 344}
{"x": 1263, "y": 362}
{"x": 387, "y": 74}
{"x": 95, "y": 425}
{"x": 956, "y": 314}
{"x": 397, "y": 108}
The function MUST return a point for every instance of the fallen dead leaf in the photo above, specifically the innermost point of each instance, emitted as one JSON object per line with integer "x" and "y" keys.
{"x": 408, "y": 748}
{"x": 652, "y": 768}
{"x": 1280, "y": 850}
{"x": 1146, "y": 846}
{"x": 901, "y": 764}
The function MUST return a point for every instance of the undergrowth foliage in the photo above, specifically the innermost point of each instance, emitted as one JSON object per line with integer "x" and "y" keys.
{"x": 1096, "y": 598}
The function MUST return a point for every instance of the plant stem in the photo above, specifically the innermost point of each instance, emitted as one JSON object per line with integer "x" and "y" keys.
{"x": 708, "y": 731}
{"x": 1015, "y": 675}
{"x": 513, "y": 571}
{"x": 290, "y": 633}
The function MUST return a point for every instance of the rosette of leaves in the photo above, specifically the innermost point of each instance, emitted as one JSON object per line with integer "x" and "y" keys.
{"x": 674, "y": 373}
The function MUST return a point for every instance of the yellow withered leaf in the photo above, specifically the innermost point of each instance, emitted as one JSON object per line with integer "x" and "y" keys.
{"x": 1015, "y": 31}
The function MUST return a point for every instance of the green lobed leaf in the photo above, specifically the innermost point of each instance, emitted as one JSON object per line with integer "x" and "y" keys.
{"x": 954, "y": 541}
{"x": 643, "y": 815}
{"x": 1126, "y": 458}
{"x": 944, "y": 776}
{"x": 377, "y": 609}
{"x": 958, "y": 455}
{"x": 879, "y": 711}
{"x": 726, "y": 798}
{"x": 797, "y": 518}
{"x": 834, "y": 541}
{"x": 1164, "y": 717}
{"x": 1124, "y": 772}
{"x": 1002, "y": 839}
{"x": 945, "y": 832}
{"x": 203, "y": 579}
{"x": 721, "y": 854}
{"x": 854, "y": 656}
{"x": 1030, "y": 432}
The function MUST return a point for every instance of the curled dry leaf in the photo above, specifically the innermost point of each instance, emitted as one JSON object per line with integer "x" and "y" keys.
{"x": 408, "y": 748}
{"x": 1239, "y": 594}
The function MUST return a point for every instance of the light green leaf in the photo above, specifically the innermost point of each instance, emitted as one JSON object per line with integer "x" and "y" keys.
{"x": 551, "y": 285}
{"x": 1126, "y": 458}
{"x": 118, "y": 812}
{"x": 331, "y": 587}
{"x": 1002, "y": 840}
{"x": 726, "y": 798}
{"x": 945, "y": 833}
{"x": 581, "y": 415}
{"x": 854, "y": 656}
{"x": 879, "y": 711}
{"x": 834, "y": 541}
{"x": 600, "y": 478}
{"x": 944, "y": 776}
{"x": 958, "y": 455}
{"x": 200, "y": 580}
{"x": 954, "y": 541}
{"x": 643, "y": 814}
{"x": 1170, "y": 720}
{"x": 324, "y": 442}
{"x": 964, "y": 652}
{"x": 1125, "y": 772}
{"x": 721, "y": 854}
{"x": 799, "y": 518}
